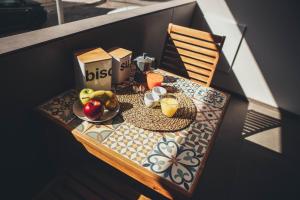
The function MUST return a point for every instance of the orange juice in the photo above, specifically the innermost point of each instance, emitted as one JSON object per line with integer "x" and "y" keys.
{"x": 169, "y": 106}
{"x": 154, "y": 79}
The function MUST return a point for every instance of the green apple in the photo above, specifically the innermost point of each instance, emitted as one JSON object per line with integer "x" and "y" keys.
{"x": 85, "y": 95}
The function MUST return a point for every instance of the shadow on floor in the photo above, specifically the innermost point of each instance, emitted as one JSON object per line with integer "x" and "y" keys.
{"x": 257, "y": 122}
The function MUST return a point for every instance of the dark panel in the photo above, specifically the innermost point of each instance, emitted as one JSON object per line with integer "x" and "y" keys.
{"x": 183, "y": 15}
{"x": 155, "y": 33}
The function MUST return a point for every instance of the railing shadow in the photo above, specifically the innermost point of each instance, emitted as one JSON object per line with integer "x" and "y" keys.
{"x": 257, "y": 122}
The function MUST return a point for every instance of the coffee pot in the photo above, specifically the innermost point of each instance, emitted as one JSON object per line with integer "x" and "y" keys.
{"x": 143, "y": 63}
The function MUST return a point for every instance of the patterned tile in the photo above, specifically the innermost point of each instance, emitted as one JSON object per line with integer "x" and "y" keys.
{"x": 210, "y": 96}
{"x": 178, "y": 136}
{"x": 115, "y": 122}
{"x": 79, "y": 126}
{"x": 177, "y": 157}
{"x": 207, "y": 114}
{"x": 184, "y": 85}
{"x": 175, "y": 163}
{"x": 60, "y": 107}
{"x": 132, "y": 142}
{"x": 99, "y": 132}
{"x": 199, "y": 137}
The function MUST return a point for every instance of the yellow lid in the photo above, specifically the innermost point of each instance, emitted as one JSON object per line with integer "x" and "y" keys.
{"x": 119, "y": 53}
{"x": 93, "y": 55}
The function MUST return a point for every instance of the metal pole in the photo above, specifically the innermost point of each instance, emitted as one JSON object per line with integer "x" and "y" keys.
{"x": 60, "y": 11}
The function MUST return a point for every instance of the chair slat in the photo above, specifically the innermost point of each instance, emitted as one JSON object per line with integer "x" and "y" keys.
{"x": 48, "y": 196}
{"x": 191, "y": 32}
{"x": 104, "y": 179}
{"x": 206, "y": 84}
{"x": 65, "y": 194}
{"x": 196, "y": 62}
{"x": 102, "y": 191}
{"x": 82, "y": 190}
{"x": 181, "y": 61}
{"x": 194, "y": 41}
{"x": 195, "y": 55}
{"x": 196, "y": 76}
{"x": 196, "y": 48}
{"x": 197, "y": 70}
{"x": 187, "y": 67}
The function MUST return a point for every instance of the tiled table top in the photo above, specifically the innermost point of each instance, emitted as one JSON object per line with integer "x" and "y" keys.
{"x": 176, "y": 157}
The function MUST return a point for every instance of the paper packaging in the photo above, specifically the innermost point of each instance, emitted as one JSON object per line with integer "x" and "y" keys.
{"x": 121, "y": 60}
{"x": 93, "y": 69}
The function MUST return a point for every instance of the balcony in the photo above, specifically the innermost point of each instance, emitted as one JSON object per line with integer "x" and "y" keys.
{"x": 254, "y": 155}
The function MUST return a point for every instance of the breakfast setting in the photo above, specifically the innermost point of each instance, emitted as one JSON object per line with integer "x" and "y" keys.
{"x": 139, "y": 117}
{"x": 136, "y": 91}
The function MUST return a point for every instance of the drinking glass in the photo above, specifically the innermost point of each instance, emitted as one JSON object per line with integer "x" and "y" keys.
{"x": 169, "y": 105}
{"x": 154, "y": 79}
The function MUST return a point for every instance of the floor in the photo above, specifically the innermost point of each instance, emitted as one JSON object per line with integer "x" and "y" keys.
{"x": 81, "y": 9}
{"x": 267, "y": 164}
{"x": 253, "y": 160}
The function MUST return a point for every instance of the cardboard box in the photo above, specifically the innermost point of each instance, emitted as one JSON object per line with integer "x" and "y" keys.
{"x": 93, "y": 69}
{"x": 121, "y": 61}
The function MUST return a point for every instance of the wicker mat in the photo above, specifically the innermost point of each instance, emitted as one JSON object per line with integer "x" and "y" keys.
{"x": 134, "y": 112}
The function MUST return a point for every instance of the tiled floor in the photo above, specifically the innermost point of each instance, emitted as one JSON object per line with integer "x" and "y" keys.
{"x": 81, "y": 9}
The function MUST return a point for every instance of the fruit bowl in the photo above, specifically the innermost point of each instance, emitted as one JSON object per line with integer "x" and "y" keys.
{"x": 107, "y": 115}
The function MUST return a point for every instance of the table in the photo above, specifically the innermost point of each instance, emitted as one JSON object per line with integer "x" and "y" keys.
{"x": 168, "y": 162}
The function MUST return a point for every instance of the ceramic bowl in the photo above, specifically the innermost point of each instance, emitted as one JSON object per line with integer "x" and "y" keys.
{"x": 151, "y": 100}
{"x": 160, "y": 91}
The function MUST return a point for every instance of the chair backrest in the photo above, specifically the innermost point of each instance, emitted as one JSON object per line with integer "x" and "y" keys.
{"x": 191, "y": 53}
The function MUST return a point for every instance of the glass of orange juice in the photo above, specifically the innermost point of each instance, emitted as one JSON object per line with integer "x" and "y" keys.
{"x": 169, "y": 105}
{"x": 154, "y": 79}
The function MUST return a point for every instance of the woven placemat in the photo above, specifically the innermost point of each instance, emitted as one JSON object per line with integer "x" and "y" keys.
{"x": 134, "y": 112}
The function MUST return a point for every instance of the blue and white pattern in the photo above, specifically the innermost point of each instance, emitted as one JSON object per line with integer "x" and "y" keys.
{"x": 187, "y": 87}
{"x": 60, "y": 107}
{"x": 210, "y": 96}
{"x": 207, "y": 114}
{"x": 79, "y": 126}
{"x": 207, "y": 95}
{"x": 199, "y": 137}
{"x": 173, "y": 162}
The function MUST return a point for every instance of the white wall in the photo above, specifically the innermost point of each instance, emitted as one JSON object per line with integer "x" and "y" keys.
{"x": 265, "y": 67}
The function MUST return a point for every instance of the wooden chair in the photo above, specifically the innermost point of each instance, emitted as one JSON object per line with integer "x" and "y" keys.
{"x": 191, "y": 53}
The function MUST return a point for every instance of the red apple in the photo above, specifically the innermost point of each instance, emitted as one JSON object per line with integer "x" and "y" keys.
{"x": 93, "y": 109}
